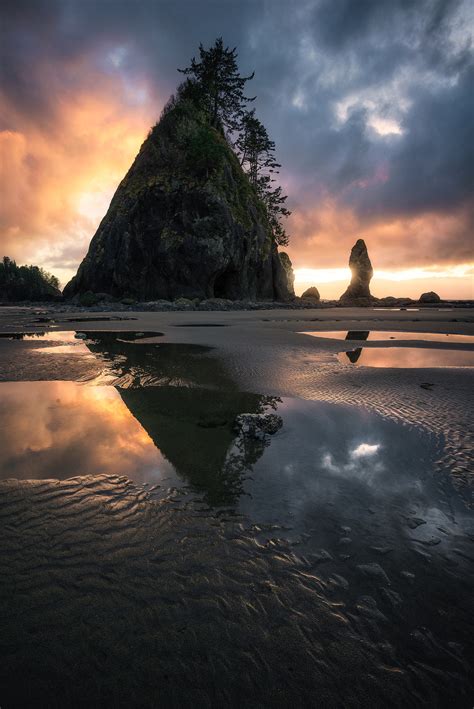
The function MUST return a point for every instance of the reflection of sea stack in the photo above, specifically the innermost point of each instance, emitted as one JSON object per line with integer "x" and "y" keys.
{"x": 358, "y": 291}
{"x": 311, "y": 294}
{"x": 188, "y": 405}
{"x": 358, "y": 335}
{"x": 354, "y": 355}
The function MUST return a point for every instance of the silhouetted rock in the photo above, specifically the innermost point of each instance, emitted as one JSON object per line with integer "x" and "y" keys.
{"x": 391, "y": 301}
{"x": 311, "y": 294}
{"x": 358, "y": 291}
{"x": 289, "y": 280}
{"x": 185, "y": 222}
{"x": 430, "y": 297}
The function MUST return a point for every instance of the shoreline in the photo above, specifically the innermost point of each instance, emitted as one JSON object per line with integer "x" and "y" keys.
{"x": 224, "y": 305}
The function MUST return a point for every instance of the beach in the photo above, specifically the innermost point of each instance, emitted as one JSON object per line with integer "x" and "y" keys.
{"x": 213, "y": 508}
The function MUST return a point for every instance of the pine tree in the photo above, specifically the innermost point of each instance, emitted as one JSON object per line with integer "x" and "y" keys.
{"x": 257, "y": 157}
{"x": 255, "y": 147}
{"x": 215, "y": 86}
{"x": 221, "y": 87}
{"x": 274, "y": 200}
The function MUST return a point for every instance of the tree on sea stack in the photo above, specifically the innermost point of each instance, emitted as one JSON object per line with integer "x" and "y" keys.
{"x": 257, "y": 156}
{"x": 216, "y": 85}
{"x": 219, "y": 85}
{"x": 187, "y": 219}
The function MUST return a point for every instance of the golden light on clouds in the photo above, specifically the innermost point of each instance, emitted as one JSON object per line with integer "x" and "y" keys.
{"x": 331, "y": 282}
{"x": 73, "y": 430}
{"x": 60, "y": 173}
{"x": 399, "y": 249}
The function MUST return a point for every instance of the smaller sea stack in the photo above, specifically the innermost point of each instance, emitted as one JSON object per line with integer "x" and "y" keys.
{"x": 358, "y": 291}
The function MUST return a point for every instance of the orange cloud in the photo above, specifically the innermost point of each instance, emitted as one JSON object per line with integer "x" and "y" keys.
{"x": 321, "y": 237}
{"x": 60, "y": 170}
{"x": 61, "y": 429}
{"x": 407, "y": 253}
{"x": 59, "y": 175}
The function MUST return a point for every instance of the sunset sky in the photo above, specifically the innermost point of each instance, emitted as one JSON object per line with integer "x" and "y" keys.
{"x": 370, "y": 103}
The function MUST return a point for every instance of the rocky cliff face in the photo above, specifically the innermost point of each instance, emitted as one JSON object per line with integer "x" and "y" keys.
{"x": 358, "y": 291}
{"x": 184, "y": 221}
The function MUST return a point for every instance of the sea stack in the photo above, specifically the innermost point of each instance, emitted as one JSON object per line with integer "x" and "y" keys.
{"x": 358, "y": 291}
{"x": 430, "y": 297}
{"x": 311, "y": 293}
{"x": 185, "y": 222}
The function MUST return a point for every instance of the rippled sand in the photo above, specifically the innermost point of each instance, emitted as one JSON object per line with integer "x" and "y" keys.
{"x": 127, "y": 601}
{"x": 114, "y": 593}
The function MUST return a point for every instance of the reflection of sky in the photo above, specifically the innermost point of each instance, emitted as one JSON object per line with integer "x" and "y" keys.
{"x": 362, "y": 462}
{"x": 379, "y": 335}
{"x": 48, "y": 336}
{"x": 409, "y": 357}
{"x": 334, "y": 466}
{"x": 329, "y": 468}
{"x": 57, "y": 342}
{"x": 61, "y": 429}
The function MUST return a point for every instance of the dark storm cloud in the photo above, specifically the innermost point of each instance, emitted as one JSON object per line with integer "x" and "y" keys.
{"x": 156, "y": 38}
{"x": 432, "y": 166}
{"x": 382, "y": 36}
{"x": 331, "y": 75}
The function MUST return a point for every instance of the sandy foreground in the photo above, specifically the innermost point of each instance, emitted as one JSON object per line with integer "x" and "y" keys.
{"x": 354, "y": 595}
{"x": 265, "y": 352}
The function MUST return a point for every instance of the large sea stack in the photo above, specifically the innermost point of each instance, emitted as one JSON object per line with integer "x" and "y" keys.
{"x": 358, "y": 291}
{"x": 185, "y": 222}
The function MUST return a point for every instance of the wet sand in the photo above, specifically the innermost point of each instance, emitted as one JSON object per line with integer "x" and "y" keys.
{"x": 264, "y": 352}
{"x": 348, "y": 589}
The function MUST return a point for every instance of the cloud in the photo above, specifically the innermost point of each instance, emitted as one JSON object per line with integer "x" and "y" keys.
{"x": 369, "y": 104}
{"x": 58, "y": 179}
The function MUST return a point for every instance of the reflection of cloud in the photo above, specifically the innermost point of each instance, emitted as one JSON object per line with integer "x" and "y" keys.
{"x": 60, "y": 429}
{"x": 327, "y": 463}
{"x": 359, "y": 463}
{"x": 365, "y": 450}
{"x": 309, "y": 479}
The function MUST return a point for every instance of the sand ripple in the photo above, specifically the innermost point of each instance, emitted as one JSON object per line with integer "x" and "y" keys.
{"x": 110, "y": 596}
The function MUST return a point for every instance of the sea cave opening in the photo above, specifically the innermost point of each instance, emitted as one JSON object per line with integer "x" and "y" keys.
{"x": 227, "y": 285}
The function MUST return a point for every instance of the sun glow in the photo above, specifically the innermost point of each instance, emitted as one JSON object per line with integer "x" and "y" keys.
{"x": 412, "y": 278}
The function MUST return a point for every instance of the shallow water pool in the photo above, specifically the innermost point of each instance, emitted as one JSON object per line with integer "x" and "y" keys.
{"x": 172, "y": 540}
{"x": 407, "y": 357}
{"x": 384, "y": 335}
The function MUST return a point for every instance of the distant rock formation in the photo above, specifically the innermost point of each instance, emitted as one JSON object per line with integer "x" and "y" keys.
{"x": 185, "y": 222}
{"x": 358, "y": 291}
{"x": 430, "y": 297}
{"x": 311, "y": 294}
{"x": 289, "y": 281}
